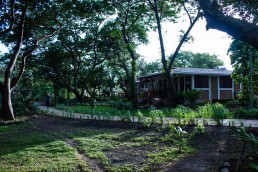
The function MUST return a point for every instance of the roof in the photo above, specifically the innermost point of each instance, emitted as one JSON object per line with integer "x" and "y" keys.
{"x": 195, "y": 71}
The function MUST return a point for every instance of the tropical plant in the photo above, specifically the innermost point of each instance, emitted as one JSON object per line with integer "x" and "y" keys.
{"x": 139, "y": 116}
{"x": 245, "y": 137}
{"x": 192, "y": 96}
{"x": 218, "y": 112}
{"x": 180, "y": 133}
{"x": 199, "y": 129}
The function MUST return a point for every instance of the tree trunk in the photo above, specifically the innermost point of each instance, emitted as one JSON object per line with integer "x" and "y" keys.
{"x": 79, "y": 98}
{"x": 172, "y": 98}
{"x": 133, "y": 85}
{"x": 171, "y": 85}
{"x": 56, "y": 93}
{"x": 7, "y": 108}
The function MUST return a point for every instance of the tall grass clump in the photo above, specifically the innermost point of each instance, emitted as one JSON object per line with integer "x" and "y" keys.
{"x": 185, "y": 114}
{"x": 205, "y": 112}
{"x": 154, "y": 114}
{"x": 216, "y": 111}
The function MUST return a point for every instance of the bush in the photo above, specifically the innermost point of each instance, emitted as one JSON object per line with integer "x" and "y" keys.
{"x": 218, "y": 112}
{"x": 233, "y": 104}
{"x": 244, "y": 113}
{"x": 199, "y": 129}
{"x": 154, "y": 114}
{"x": 205, "y": 111}
{"x": 192, "y": 96}
{"x": 180, "y": 98}
{"x": 121, "y": 105}
{"x": 182, "y": 112}
{"x": 21, "y": 103}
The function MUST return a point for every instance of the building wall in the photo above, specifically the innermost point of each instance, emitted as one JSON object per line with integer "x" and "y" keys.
{"x": 204, "y": 95}
{"x": 214, "y": 87}
{"x": 225, "y": 94}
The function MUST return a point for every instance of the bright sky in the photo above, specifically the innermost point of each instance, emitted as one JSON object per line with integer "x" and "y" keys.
{"x": 211, "y": 41}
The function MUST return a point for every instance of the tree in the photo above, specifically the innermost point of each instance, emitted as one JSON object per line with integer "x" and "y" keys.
{"x": 80, "y": 47}
{"x": 132, "y": 24}
{"x": 169, "y": 10}
{"x": 146, "y": 68}
{"x": 23, "y": 35}
{"x": 240, "y": 59}
{"x": 197, "y": 60}
{"x": 237, "y": 18}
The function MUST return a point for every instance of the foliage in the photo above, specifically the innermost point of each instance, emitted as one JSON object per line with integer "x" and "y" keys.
{"x": 233, "y": 104}
{"x": 184, "y": 114}
{"x": 154, "y": 114}
{"x": 180, "y": 98}
{"x": 240, "y": 59}
{"x": 121, "y": 105}
{"x": 146, "y": 68}
{"x": 192, "y": 96}
{"x": 199, "y": 129}
{"x": 139, "y": 115}
{"x": 22, "y": 102}
{"x": 187, "y": 59}
{"x": 246, "y": 113}
{"x": 245, "y": 137}
{"x": 218, "y": 112}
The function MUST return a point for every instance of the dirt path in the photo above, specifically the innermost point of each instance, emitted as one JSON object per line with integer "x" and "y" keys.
{"x": 92, "y": 164}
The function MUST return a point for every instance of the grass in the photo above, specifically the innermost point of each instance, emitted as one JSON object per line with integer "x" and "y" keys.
{"x": 36, "y": 152}
{"x": 29, "y": 147}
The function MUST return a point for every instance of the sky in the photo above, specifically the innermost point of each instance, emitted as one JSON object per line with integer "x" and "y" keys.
{"x": 211, "y": 41}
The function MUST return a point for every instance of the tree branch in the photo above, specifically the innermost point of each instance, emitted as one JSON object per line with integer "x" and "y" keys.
{"x": 16, "y": 80}
{"x": 237, "y": 28}
{"x": 199, "y": 14}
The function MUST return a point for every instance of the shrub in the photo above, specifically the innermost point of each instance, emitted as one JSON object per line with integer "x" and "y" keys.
{"x": 246, "y": 113}
{"x": 192, "y": 96}
{"x": 180, "y": 97}
{"x": 186, "y": 113}
{"x": 218, "y": 112}
{"x": 205, "y": 111}
{"x": 233, "y": 104}
{"x": 199, "y": 129}
{"x": 121, "y": 105}
{"x": 21, "y": 103}
{"x": 154, "y": 114}
{"x": 139, "y": 116}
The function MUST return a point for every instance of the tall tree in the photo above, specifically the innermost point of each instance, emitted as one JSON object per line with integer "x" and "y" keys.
{"x": 239, "y": 53}
{"x": 23, "y": 35}
{"x": 237, "y": 18}
{"x": 197, "y": 60}
{"x": 169, "y": 10}
{"x": 79, "y": 45}
{"x": 132, "y": 21}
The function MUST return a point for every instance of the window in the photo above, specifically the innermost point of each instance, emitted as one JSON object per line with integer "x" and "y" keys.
{"x": 201, "y": 81}
{"x": 188, "y": 82}
{"x": 225, "y": 82}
